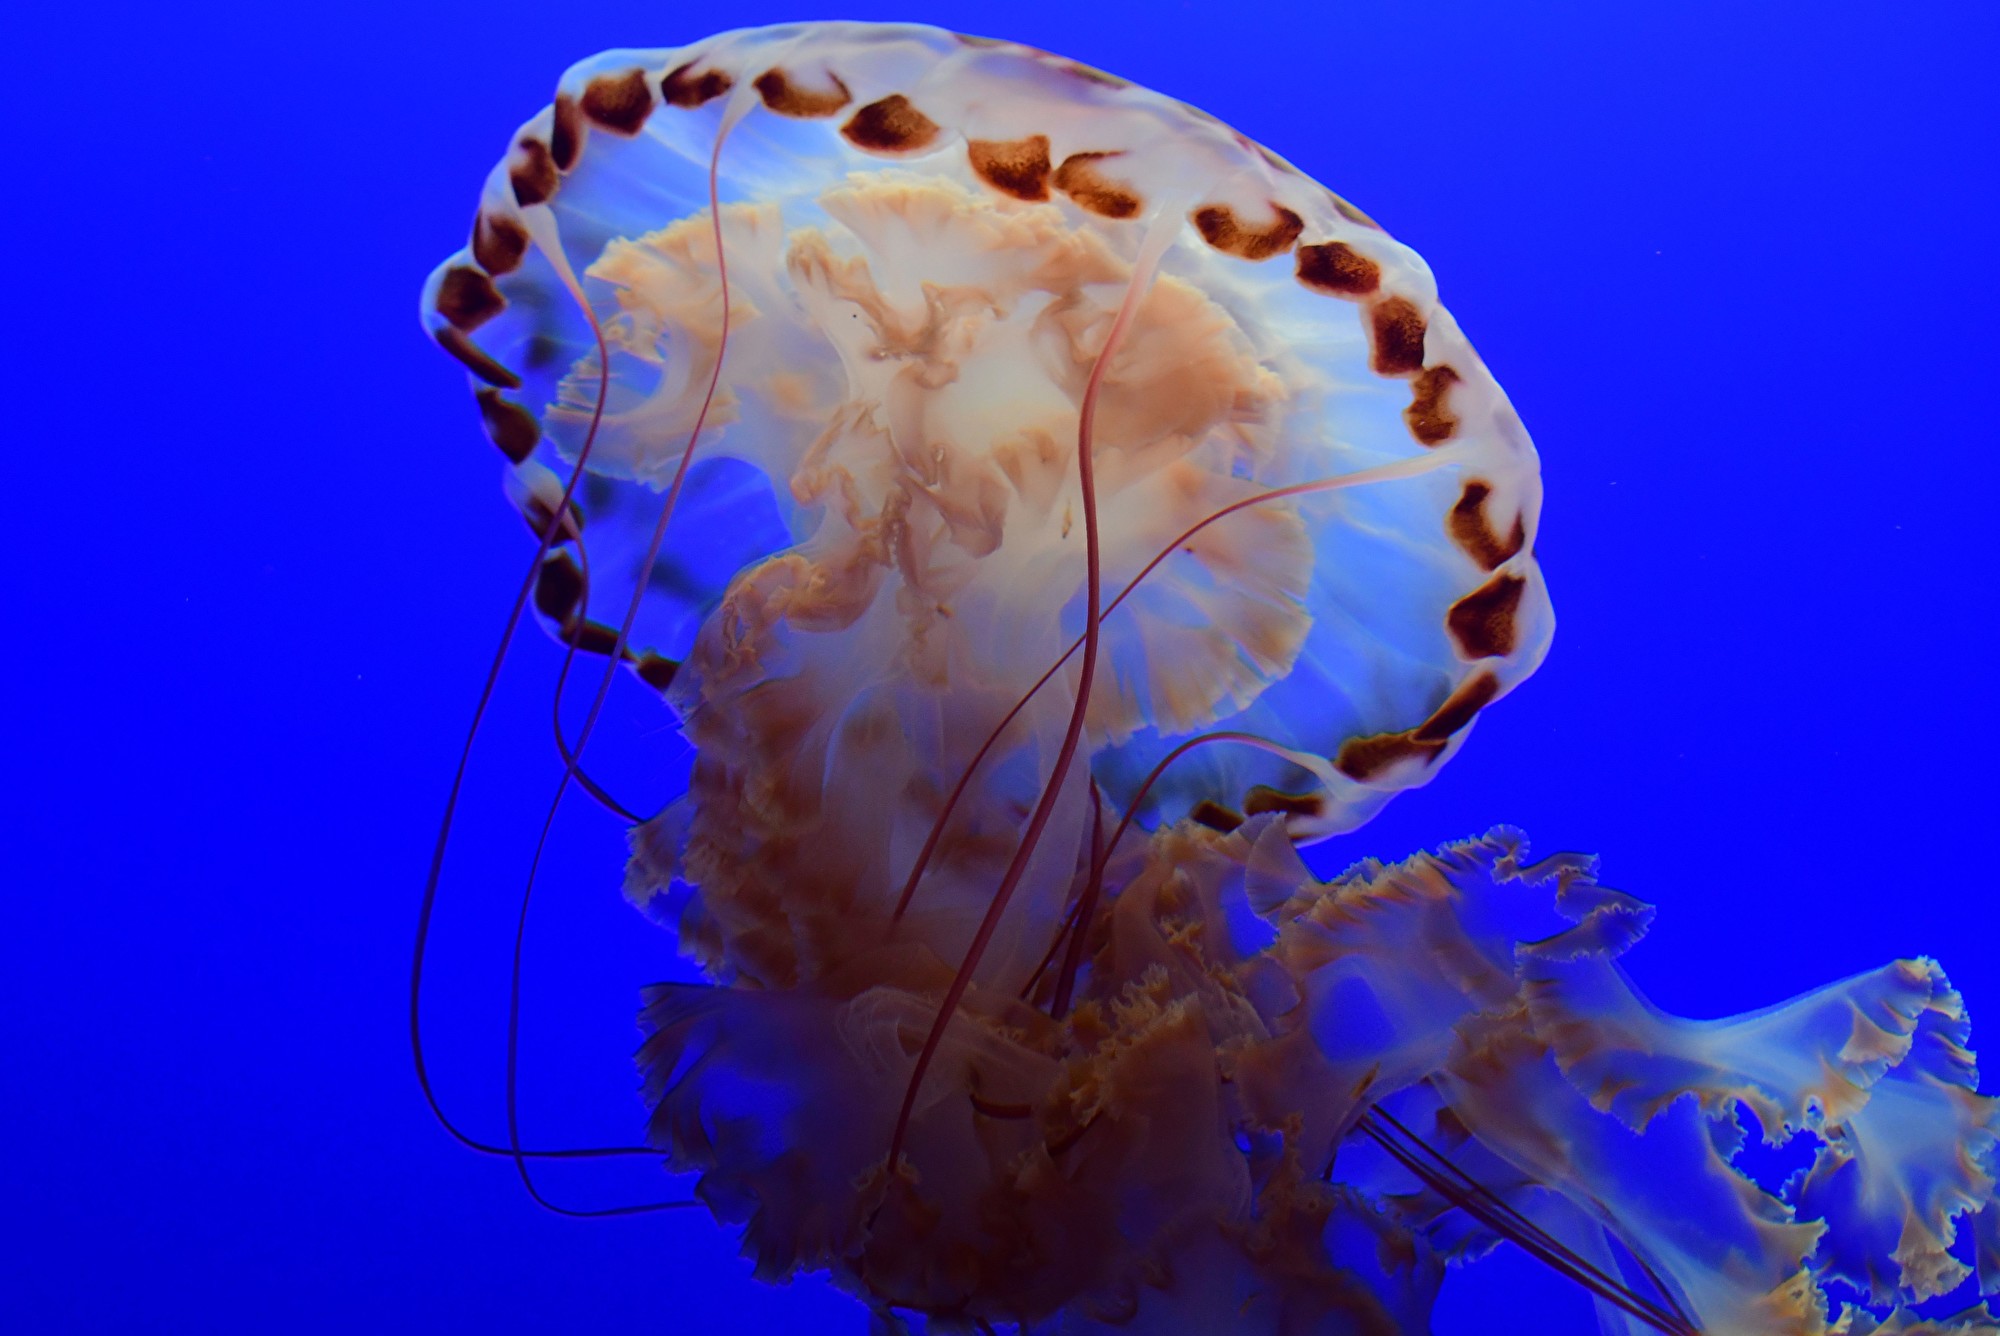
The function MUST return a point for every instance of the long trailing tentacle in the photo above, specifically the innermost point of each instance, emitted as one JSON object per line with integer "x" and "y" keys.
{"x": 560, "y": 520}
{"x": 574, "y": 756}
{"x": 559, "y": 517}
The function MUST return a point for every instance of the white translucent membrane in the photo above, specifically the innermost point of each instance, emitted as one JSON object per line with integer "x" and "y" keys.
{"x": 896, "y": 554}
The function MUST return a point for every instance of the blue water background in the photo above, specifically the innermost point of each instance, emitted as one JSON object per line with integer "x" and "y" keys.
{"x": 1733, "y": 262}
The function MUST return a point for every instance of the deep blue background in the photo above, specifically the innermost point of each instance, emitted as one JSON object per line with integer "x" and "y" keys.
{"x": 1733, "y": 262}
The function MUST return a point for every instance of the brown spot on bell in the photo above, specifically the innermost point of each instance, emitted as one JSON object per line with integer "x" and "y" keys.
{"x": 786, "y": 98}
{"x": 1080, "y": 179}
{"x": 619, "y": 103}
{"x": 1482, "y": 623}
{"x": 1222, "y": 229}
{"x": 1017, "y": 167}
{"x": 1396, "y": 333}
{"x": 1337, "y": 268}
{"x": 891, "y": 125}
{"x": 684, "y": 88}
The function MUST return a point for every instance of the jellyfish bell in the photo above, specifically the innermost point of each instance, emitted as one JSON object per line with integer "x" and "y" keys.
{"x": 1042, "y": 510}
{"x": 928, "y": 241}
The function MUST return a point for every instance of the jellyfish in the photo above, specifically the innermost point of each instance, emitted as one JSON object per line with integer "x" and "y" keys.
{"x": 1043, "y": 510}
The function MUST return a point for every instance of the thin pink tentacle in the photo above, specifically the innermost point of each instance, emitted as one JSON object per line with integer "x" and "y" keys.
{"x": 1465, "y": 1193}
{"x": 1087, "y": 904}
{"x": 427, "y": 906}
{"x": 1087, "y": 487}
{"x": 1388, "y": 472}
{"x": 1069, "y": 915}
{"x": 583, "y": 779}
{"x": 597, "y": 704}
